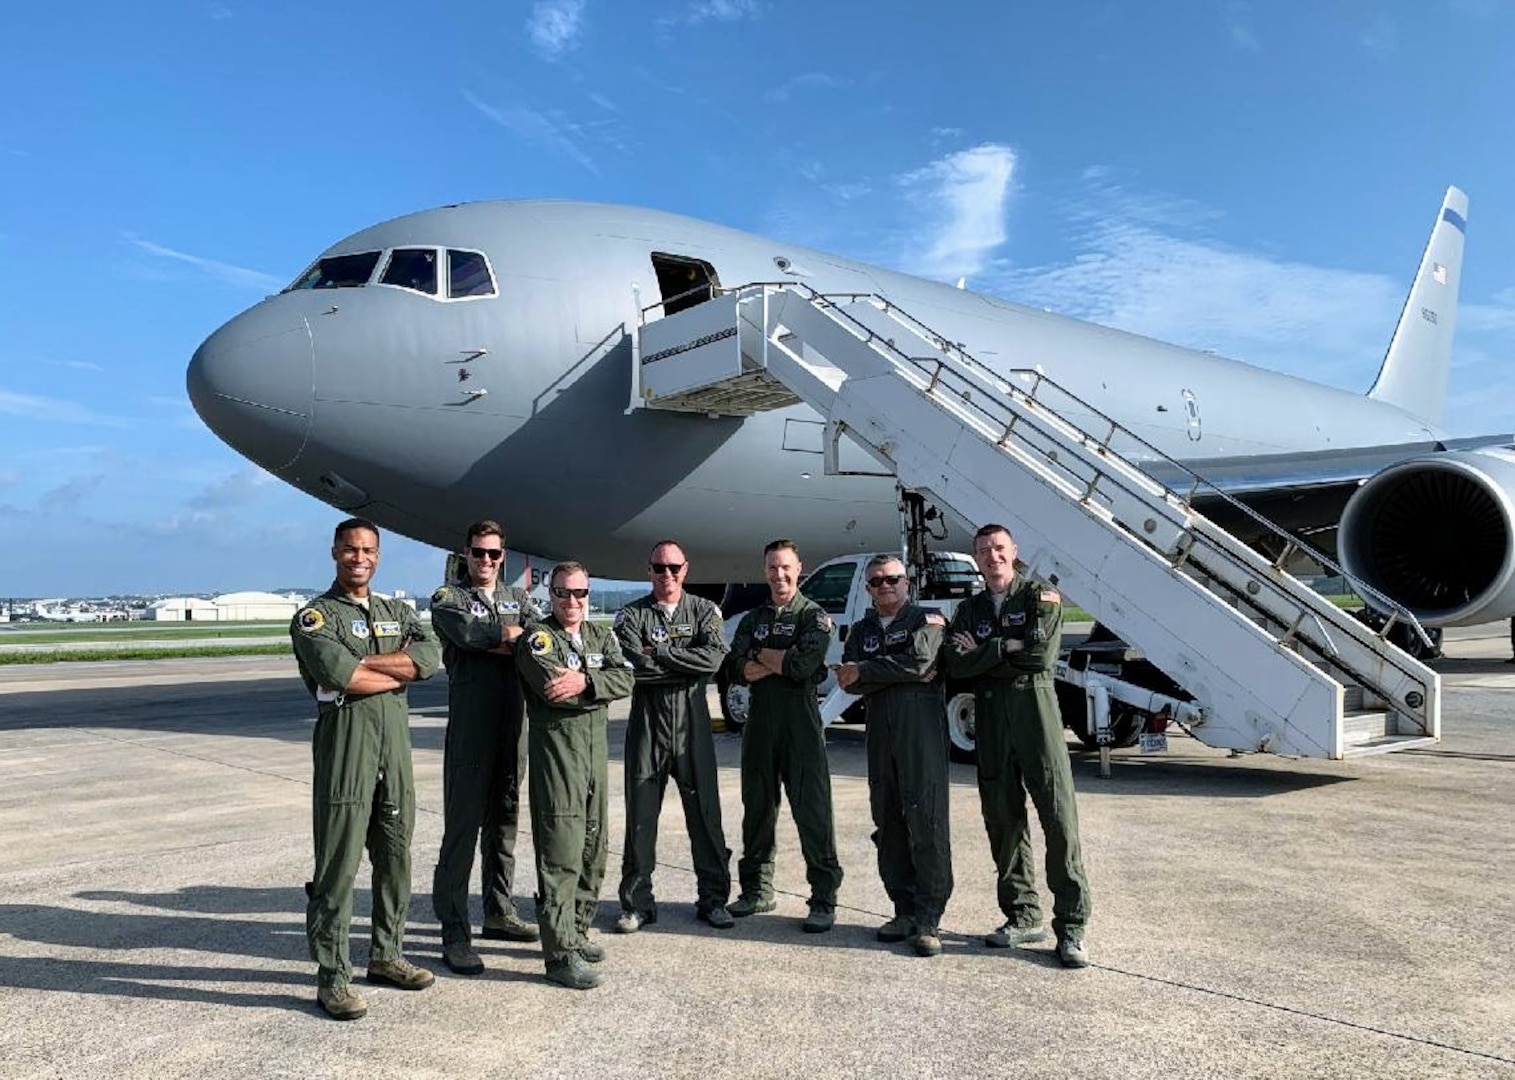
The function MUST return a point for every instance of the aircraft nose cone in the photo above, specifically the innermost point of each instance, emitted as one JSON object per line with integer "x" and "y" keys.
{"x": 252, "y": 382}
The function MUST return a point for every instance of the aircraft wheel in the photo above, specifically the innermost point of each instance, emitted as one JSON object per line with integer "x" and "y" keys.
{"x": 961, "y": 740}
{"x": 736, "y": 706}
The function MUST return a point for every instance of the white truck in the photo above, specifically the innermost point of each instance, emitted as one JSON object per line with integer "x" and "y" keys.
{"x": 1108, "y": 693}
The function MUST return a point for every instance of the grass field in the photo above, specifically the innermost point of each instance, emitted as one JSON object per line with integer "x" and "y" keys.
{"x": 71, "y": 633}
{"x": 126, "y": 652}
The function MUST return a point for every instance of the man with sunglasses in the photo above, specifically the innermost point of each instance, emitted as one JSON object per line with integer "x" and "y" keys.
{"x": 780, "y": 651}
{"x": 1005, "y": 642}
{"x": 572, "y": 669}
{"x": 891, "y": 658}
{"x": 673, "y": 640}
{"x": 479, "y": 619}
{"x": 357, "y": 652}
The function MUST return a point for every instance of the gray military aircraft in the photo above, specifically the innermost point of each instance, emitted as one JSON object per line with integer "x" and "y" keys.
{"x": 476, "y": 360}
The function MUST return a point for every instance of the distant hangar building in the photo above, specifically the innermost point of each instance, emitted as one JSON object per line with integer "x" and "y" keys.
{"x": 231, "y": 607}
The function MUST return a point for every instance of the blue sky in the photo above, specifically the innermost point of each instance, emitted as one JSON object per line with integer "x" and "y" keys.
{"x": 1253, "y": 178}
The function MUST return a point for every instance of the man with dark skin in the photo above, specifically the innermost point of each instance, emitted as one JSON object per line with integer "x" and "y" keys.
{"x": 1005, "y": 642}
{"x": 357, "y": 652}
{"x": 571, "y": 670}
{"x": 780, "y": 651}
{"x": 479, "y": 620}
{"x": 891, "y": 658}
{"x": 673, "y": 640}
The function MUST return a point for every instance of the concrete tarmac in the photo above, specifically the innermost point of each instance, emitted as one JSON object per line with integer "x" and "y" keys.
{"x": 1253, "y": 917}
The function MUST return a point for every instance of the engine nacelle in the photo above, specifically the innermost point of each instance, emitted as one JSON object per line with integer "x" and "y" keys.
{"x": 1437, "y": 534}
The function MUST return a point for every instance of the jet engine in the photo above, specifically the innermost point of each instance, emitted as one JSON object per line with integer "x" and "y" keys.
{"x": 1437, "y": 534}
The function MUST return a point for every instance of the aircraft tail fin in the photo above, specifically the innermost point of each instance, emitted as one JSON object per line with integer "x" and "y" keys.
{"x": 1415, "y": 369}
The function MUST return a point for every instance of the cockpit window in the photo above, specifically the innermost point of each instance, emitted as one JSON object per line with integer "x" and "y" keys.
{"x": 413, "y": 268}
{"x": 338, "y": 272}
{"x": 468, "y": 275}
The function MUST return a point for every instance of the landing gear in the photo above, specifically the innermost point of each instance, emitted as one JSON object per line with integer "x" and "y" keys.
{"x": 736, "y": 705}
{"x": 962, "y": 743}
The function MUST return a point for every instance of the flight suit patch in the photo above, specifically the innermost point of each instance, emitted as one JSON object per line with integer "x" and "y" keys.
{"x": 311, "y": 620}
{"x": 574, "y": 663}
{"x": 539, "y": 642}
{"x": 595, "y": 660}
{"x": 510, "y": 606}
{"x": 760, "y": 632}
{"x": 824, "y": 622}
{"x": 360, "y": 628}
{"x": 1015, "y": 618}
{"x": 894, "y": 637}
{"x": 659, "y": 635}
{"x": 478, "y": 610}
{"x": 870, "y": 644}
{"x": 387, "y": 629}
{"x": 983, "y": 630}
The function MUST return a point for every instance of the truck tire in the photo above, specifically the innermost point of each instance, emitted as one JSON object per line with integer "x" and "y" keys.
{"x": 962, "y": 744}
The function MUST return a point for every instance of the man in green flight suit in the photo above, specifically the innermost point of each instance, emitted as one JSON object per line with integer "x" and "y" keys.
{"x": 673, "y": 640}
{"x": 1005, "y": 641}
{"x": 780, "y": 651}
{"x": 357, "y": 651}
{"x": 479, "y": 620}
{"x": 571, "y": 670}
{"x": 891, "y": 658}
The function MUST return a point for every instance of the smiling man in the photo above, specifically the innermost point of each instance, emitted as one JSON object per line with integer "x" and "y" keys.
{"x": 891, "y": 658}
{"x": 572, "y": 670}
{"x": 1005, "y": 642}
{"x": 780, "y": 651}
{"x": 479, "y": 620}
{"x": 673, "y": 640}
{"x": 357, "y": 652}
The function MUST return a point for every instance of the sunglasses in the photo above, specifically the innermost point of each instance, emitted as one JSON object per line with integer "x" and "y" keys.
{"x": 492, "y": 554}
{"x": 666, "y": 567}
{"x": 885, "y": 579}
{"x": 562, "y": 592}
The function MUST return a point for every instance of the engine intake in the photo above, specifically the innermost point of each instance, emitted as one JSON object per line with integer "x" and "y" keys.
{"x": 1435, "y": 533}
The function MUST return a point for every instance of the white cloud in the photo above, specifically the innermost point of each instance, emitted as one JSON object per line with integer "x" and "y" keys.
{"x": 962, "y": 199}
{"x": 238, "y": 488}
{"x": 723, "y": 10}
{"x": 1153, "y": 266}
{"x": 74, "y": 365}
{"x": 538, "y": 127}
{"x": 555, "y": 26}
{"x": 1238, "y": 19}
{"x": 55, "y": 410}
{"x": 814, "y": 80}
{"x": 239, "y": 276}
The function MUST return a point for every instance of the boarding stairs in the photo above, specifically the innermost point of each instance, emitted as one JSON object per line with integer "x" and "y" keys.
{"x": 1271, "y": 664}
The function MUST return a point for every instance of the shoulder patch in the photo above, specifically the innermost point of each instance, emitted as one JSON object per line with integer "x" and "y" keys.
{"x": 934, "y": 618}
{"x": 311, "y": 620}
{"x": 824, "y": 622}
{"x": 1051, "y": 596}
{"x": 440, "y": 595}
{"x": 539, "y": 642}
{"x": 620, "y": 616}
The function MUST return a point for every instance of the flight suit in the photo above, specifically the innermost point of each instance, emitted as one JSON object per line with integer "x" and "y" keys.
{"x": 901, "y": 683}
{"x": 567, "y": 771}
{"x": 1021, "y": 749}
{"x": 363, "y": 791}
{"x": 481, "y": 764}
{"x": 668, "y": 734}
{"x": 785, "y": 743}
